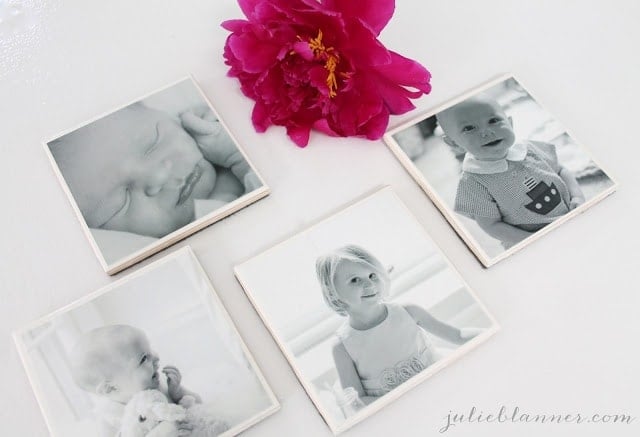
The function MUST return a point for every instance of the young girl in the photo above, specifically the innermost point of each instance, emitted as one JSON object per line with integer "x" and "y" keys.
{"x": 381, "y": 345}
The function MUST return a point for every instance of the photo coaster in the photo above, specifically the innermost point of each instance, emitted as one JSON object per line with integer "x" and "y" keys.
{"x": 154, "y": 351}
{"x": 364, "y": 306}
{"x": 151, "y": 173}
{"x": 501, "y": 169}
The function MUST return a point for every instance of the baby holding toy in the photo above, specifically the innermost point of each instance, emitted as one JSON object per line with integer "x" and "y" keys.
{"x": 381, "y": 345}
{"x": 115, "y": 363}
{"x": 511, "y": 189}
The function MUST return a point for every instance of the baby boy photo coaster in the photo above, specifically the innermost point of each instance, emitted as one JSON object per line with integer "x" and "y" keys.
{"x": 500, "y": 168}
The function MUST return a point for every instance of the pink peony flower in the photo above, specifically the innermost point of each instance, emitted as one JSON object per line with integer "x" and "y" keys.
{"x": 317, "y": 64}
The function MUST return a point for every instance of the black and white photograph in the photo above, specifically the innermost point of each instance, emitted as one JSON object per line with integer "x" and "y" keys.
{"x": 500, "y": 168}
{"x": 153, "y": 172}
{"x": 152, "y": 354}
{"x": 364, "y": 306}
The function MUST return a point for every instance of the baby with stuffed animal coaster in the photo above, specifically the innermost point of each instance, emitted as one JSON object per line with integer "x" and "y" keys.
{"x": 100, "y": 366}
{"x": 115, "y": 363}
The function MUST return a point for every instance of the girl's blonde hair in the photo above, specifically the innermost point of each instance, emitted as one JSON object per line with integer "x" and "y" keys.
{"x": 326, "y": 266}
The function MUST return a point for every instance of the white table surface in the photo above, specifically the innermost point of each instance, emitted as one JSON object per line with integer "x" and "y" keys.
{"x": 568, "y": 304}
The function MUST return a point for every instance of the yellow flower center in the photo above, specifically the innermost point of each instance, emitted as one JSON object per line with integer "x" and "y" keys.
{"x": 331, "y": 59}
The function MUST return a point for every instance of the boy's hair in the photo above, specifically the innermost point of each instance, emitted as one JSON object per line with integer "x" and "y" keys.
{"x": 91, "y": 362}
{"x": 326, "y": 266}
{"x": 482, "y": 98}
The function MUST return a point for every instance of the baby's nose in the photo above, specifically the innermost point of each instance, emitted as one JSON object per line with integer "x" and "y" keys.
{"x": 155, "y": 176}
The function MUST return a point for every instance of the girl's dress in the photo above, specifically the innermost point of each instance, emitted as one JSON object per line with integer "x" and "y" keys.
{"x": 390, "y": 353}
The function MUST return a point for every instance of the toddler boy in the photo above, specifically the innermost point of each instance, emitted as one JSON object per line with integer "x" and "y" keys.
{"x": 511, "y": 189}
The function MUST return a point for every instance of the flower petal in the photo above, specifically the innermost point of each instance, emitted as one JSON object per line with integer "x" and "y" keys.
{"x": 260, "y": 117}
{"x": 234, "y": 25}
{"x": 302, "y": 48}
{"x": 375, "y": 14}
{"x": 405, "y": 71}
{"x": 362, "y": 46}
{"x": 323, "y": 126}
{"x": 395, "y": 97}
{"x": 299, "y": 134}
{"x": 248, "y": 6}
{"x": 254, "y": 54}
{"x": 377, "y": 126}
{"x": 356, "y": 109}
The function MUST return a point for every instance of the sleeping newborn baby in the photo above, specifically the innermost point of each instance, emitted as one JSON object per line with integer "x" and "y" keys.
{"x": 139, "y": 170}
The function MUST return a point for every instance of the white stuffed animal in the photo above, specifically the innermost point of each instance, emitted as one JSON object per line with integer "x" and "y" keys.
{"x": 150, "y": 414}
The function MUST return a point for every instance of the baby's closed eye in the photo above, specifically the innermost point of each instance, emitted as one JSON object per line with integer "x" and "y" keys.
{"x": 122, "y": 206}
{"x": 151, "y": 145}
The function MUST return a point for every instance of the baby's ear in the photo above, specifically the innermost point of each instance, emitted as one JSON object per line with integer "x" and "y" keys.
{"x": 449, "y": 141}
{"x": 105, "y": 388}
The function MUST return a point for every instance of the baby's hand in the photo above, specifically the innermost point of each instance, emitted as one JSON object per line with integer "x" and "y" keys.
{"x": 576, "y": 202}
{"x": 187, "y": 401}
{"x": 214, "y": 143}
{"x": 184, "y": 428}
{"x": 251, "y": 181}
{"x": 173, "y": 382}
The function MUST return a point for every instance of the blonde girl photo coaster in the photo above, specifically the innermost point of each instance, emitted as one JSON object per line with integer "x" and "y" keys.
{"x": 364, "y": 306}
{"x": 151, "y": 173}
{"x": 501, "y": 169}
{"x": 155, "y": 352}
